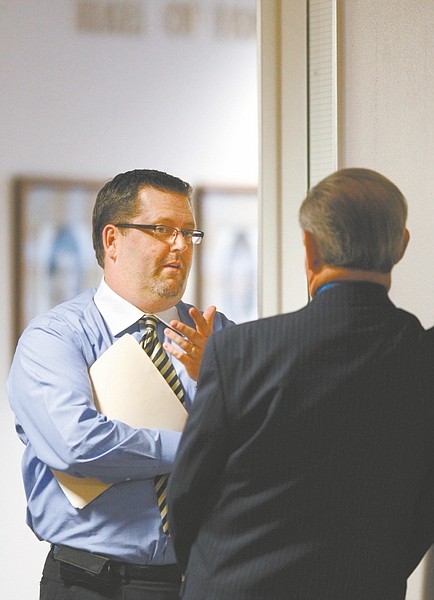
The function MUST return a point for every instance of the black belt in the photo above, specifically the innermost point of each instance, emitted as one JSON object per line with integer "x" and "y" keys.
{"x": 163, "y": 573}
{"x": 100, "y": 567}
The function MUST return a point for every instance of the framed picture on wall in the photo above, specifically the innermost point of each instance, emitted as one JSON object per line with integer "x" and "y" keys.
{"x": 53, "y": 252}
{"x": 226, "y": 263}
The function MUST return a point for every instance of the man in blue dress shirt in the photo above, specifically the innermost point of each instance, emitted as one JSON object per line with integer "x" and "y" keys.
{"x": 144, "y": 231}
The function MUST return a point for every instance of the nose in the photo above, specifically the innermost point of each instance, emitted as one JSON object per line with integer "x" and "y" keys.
{"x": 179, "y": 242}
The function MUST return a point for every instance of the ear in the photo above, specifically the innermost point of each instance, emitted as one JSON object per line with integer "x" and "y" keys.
{"x": 405, "y": 241}
{"x": 314, "y": 261}
{"x": 109, "y": 238}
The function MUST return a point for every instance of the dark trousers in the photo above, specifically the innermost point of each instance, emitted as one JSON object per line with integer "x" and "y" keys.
{"x": 55, "y": 585}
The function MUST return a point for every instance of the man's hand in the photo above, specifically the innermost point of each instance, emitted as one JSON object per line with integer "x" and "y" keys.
{"x": 190, "y": 348}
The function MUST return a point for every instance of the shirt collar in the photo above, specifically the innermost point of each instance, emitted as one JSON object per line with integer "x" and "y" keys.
{"x": 350, "y": 284}
{"x": 119, "y": 314}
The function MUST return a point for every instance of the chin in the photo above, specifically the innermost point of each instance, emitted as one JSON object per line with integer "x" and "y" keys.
{"x": 172, "y": 293}
{"x": 169, "y": 289}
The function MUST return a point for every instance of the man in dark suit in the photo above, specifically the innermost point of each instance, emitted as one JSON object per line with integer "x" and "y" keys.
{"x": 308, "y": 450}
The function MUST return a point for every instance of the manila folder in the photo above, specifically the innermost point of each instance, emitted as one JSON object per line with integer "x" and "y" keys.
{"x": 128, "y": 387}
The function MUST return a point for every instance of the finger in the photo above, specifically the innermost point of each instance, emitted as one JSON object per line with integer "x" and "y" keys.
{"x": 175, "y": 351}
{"x": 203, "y": 325}
{"x": 191, "y": 359}
{"x": 181, "y": 340}
{"x": 181, "y": 329}
{"x": 208, "y": 315}
{"x": 204, "y": 322}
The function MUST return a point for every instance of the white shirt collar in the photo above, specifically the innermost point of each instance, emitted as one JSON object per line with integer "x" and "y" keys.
{"x": 119, "y": 314}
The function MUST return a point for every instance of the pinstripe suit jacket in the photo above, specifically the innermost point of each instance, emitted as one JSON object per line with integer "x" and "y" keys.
{"x": 307, "y": 454}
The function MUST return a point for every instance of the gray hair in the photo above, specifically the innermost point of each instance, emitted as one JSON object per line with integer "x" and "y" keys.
{"x": 358, "y": 218}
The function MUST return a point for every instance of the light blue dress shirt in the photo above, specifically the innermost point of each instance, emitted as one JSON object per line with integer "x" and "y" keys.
{"x": 50, "y": 393}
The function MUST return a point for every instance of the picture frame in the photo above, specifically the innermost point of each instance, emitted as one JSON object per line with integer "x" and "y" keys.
{"x": 226, "y": 263}
{"x": 53, "y": 253}
{"x": 52, "y": 224}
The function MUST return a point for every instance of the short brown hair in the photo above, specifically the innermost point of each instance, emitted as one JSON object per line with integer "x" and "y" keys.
{"x": 118, "y": 200}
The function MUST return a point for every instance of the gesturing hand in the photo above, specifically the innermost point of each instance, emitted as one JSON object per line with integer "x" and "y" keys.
{"x": 190, "y": 348}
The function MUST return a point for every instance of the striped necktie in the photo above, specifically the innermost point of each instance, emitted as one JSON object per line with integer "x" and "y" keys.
{"x": 152, "y": 346}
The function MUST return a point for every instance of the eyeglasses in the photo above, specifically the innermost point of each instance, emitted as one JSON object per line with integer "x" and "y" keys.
{"x": 167, "y": 234}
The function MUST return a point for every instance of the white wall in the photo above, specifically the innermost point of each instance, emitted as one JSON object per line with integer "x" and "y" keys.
{"x": 91, "y": 105}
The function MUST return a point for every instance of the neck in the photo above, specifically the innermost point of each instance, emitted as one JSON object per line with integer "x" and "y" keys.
{"x": 147, "y": 302}
{"x": 328, "y": 274}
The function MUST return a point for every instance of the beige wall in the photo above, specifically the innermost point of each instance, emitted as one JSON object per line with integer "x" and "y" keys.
{"x": 387, "y": 102}
{"x": 386, "y": 59}
{"x": 90, "y": 105}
